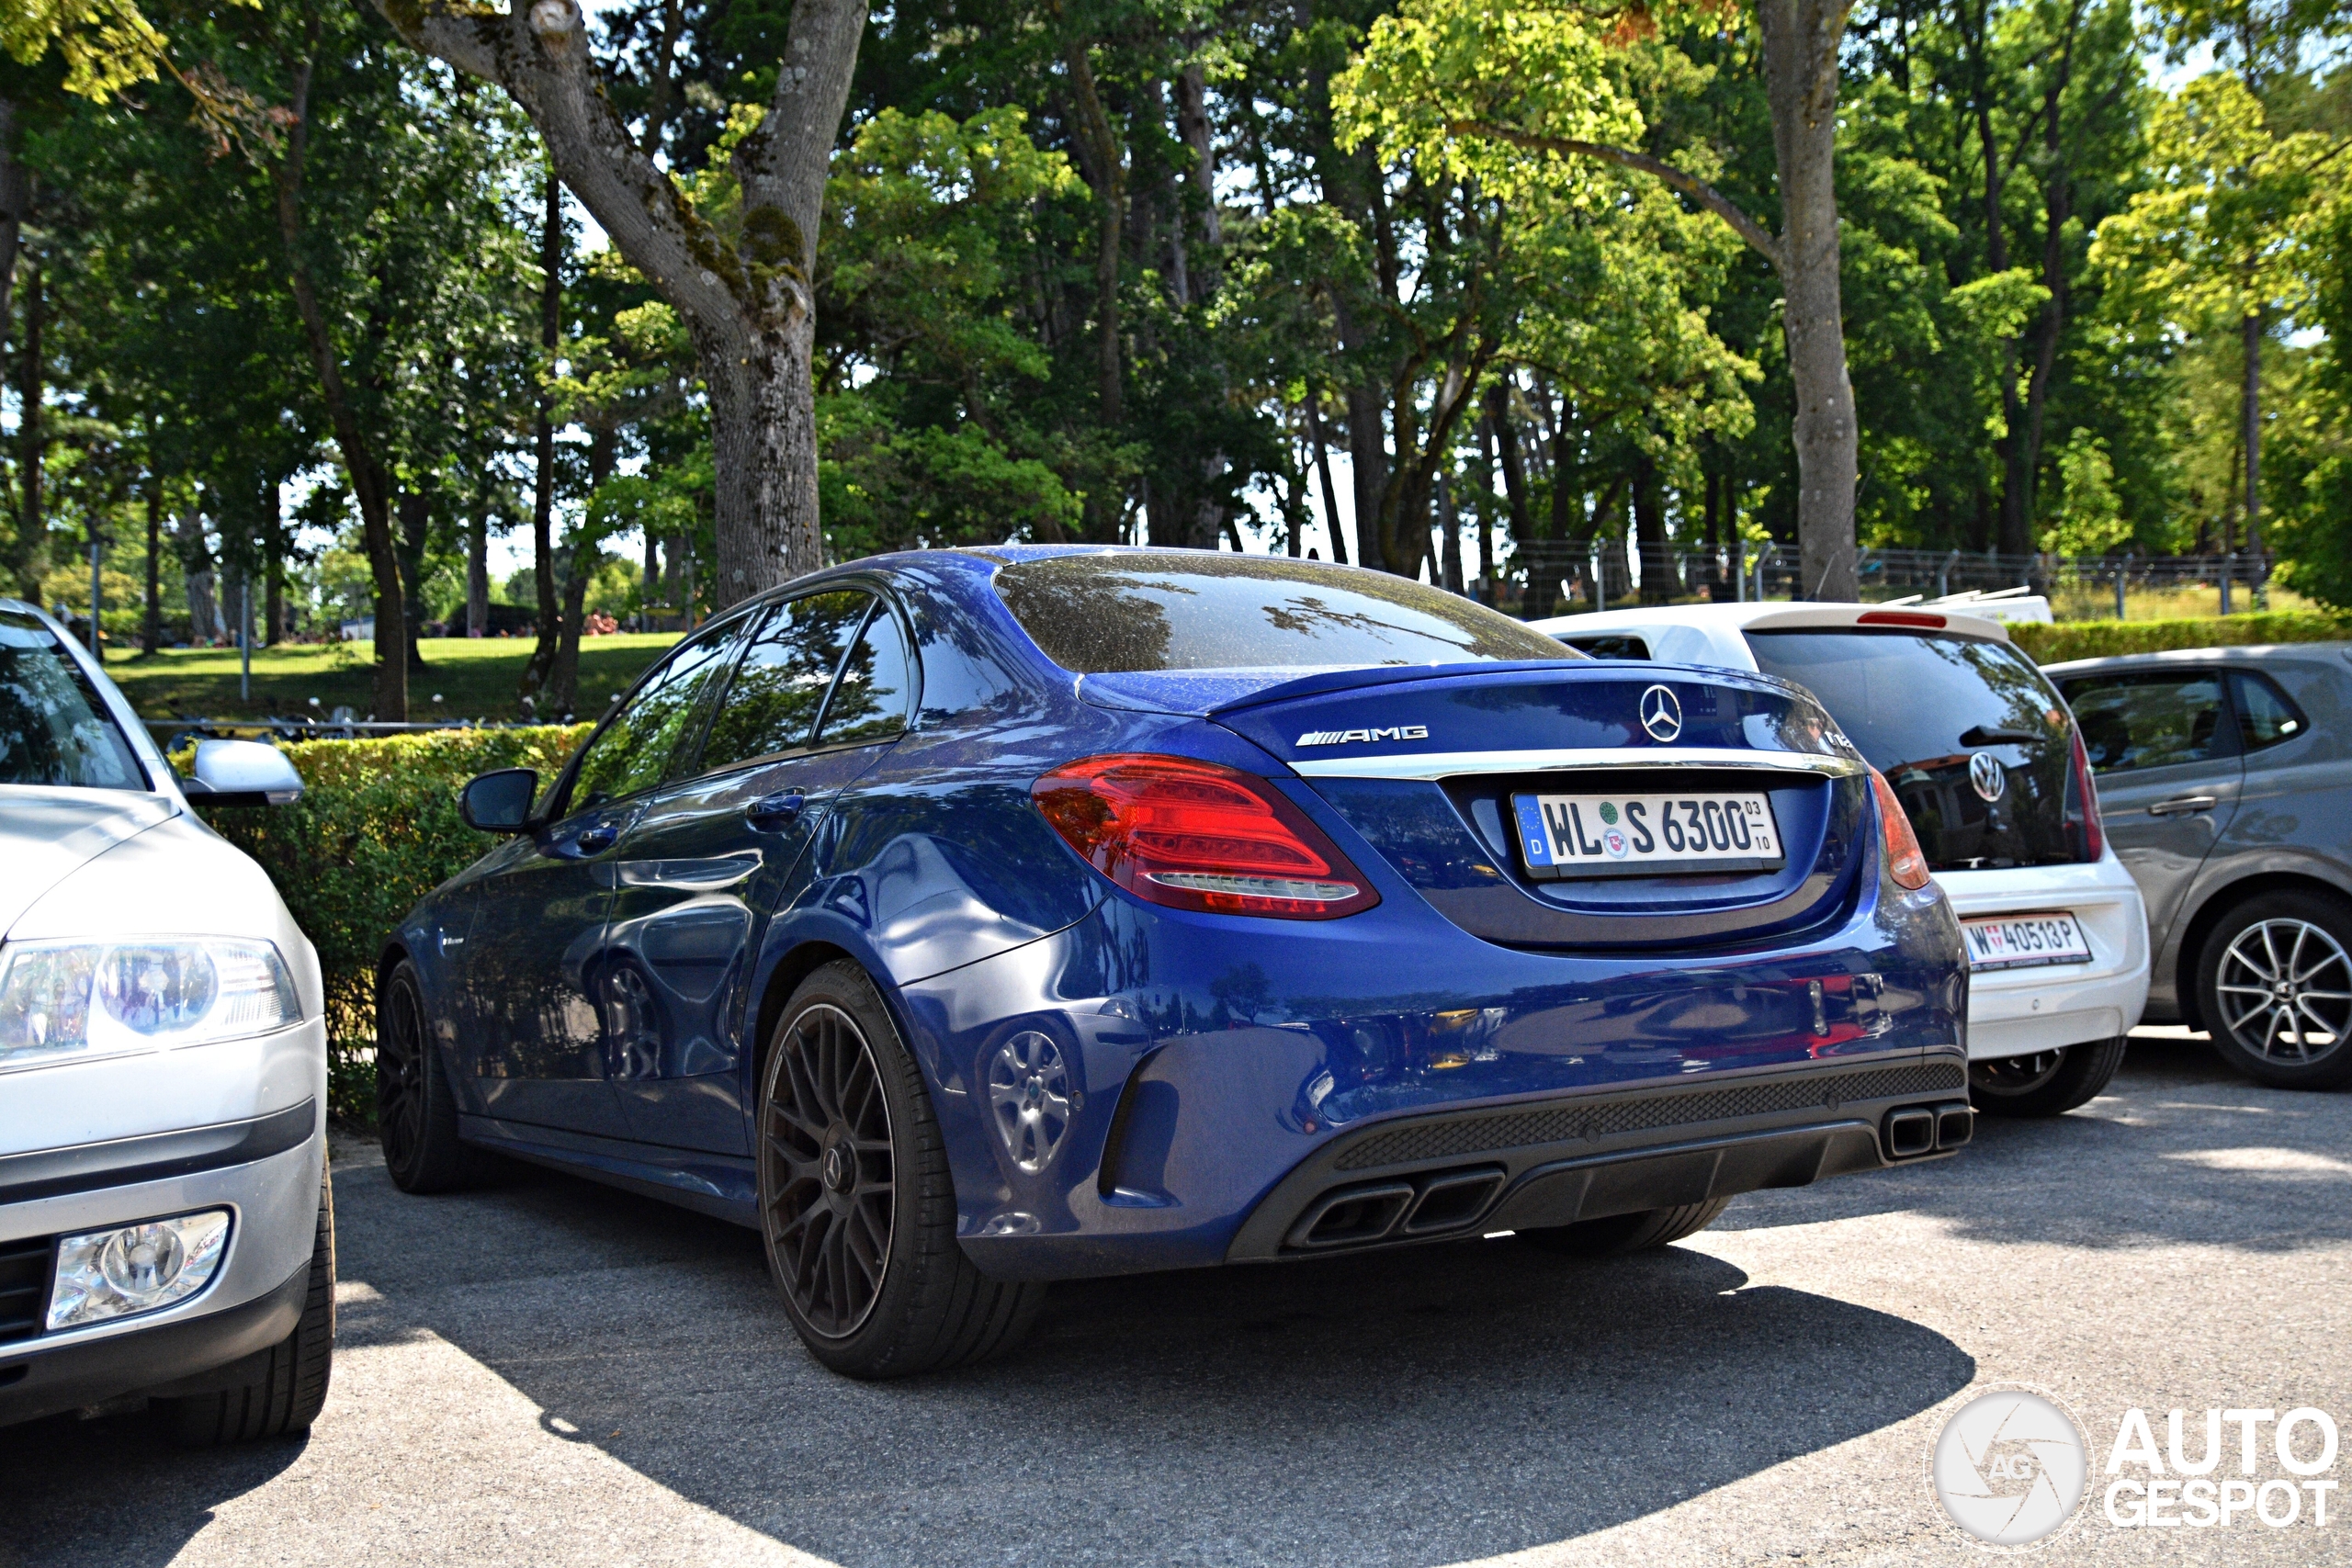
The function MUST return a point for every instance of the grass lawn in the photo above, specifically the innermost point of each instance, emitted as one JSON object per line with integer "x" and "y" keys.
{"x": 462, "y": 677}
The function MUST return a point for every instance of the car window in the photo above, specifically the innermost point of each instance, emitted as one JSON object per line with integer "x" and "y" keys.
{"x": 1620, "y": 646}
{"x": 634, "y": 749}
{"x": 2266, "y": 715}
{"x": 1139, "y": 610}
{"x": 876, "y": 686}
{"x": 2148, "y": 721}
{"x": 54, "y": 727}
{"x": 773, "y": 702}
{"x": 1923, "y": 707}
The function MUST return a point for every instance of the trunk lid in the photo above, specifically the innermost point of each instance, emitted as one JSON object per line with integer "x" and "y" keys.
{"x": 1425, "y": 764}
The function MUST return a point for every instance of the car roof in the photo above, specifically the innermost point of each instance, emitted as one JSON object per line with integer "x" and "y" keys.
{"x": 2239, "y": 653}
{"x": 1710, "y": 634}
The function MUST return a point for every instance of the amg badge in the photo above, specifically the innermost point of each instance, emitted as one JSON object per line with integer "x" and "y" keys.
{"x": 1341, "y": 737}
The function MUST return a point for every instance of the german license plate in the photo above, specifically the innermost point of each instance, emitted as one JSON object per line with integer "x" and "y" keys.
{"x": 1644, "y": 835}
{"x": 2021, "y": 941}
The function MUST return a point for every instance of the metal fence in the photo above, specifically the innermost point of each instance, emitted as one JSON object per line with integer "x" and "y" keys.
{"x": 1545, "y": 577}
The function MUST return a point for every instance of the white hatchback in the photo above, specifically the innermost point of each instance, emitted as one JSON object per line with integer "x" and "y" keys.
{"x": 1985, "y": 758}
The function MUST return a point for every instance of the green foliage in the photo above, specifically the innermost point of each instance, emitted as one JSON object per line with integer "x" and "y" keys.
{"x": 2090, "y": 519}
{"x": 2054, "y": 644}
{"x": 375, "y": 830}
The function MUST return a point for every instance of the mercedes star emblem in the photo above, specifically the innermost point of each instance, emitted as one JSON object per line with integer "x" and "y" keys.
{"x": 1661, "y": 715}
{"x": 1985, "y": 773}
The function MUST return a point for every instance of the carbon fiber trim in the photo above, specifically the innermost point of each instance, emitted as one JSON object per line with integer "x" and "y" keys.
{"x": 1453, "y": 1137}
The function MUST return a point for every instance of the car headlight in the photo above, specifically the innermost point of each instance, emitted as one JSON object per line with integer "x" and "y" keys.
{"x": 133, "y": 1269}
{"x": 73, "y": 999}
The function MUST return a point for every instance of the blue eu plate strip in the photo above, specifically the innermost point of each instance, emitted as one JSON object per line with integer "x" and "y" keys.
{"x": 1532, "y": 832}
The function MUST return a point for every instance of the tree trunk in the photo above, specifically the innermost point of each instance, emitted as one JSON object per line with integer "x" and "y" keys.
{"x": 2251, "y": 332}
{"x": 415, "y": 513}
{"x": 477, "y": 575}
{"x": 1104, "y": 164}
{"x": 1649, "y": 527}
{"x": 151, "y": 625}
{"x": 580, "y": 563}
{"x": 31, "y": 555}
{"x": 1323, "y": 474}
{"x": 749, "y": 304}
{"x": 1800, "y": 44}
{"x": 547, "y": 622}
{"x": 16, "y": 201}
{"x": 369, "y": 485}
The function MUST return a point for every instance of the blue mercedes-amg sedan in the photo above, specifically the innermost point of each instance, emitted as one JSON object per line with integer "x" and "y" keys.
{"x": 967, "y": 920}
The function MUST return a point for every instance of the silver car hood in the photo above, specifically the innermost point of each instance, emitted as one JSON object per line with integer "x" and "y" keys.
{"x": 48, "y": 834}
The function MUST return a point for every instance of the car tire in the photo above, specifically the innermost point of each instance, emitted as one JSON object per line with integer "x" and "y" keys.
{"x": 2299, "y": 940}
{"x": 416, "y": 1115}
{"x": 284, "y": 1385}
{"x": 857, "y": 1202}
{"x": 1620, "y": 1233}
{"x": 2048, "y": 1083}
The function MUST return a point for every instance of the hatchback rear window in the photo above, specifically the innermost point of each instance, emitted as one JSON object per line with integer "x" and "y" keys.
{"x": 1920, "y": 706}
{"x": 1099, "y": 614}
{"x": 54, "y": 730}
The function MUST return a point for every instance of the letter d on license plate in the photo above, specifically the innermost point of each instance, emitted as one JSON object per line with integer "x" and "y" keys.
{"x": 1563, "y": 836}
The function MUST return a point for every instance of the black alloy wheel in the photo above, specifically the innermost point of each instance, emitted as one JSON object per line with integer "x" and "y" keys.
{"x": 2274, "y": 989}
{"x": 416, "y": 1116}
{"x": 830, "y": 1192}
{"x": 857, "y": 1200}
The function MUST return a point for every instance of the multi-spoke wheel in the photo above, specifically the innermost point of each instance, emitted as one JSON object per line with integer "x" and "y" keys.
{"x": 2044, "y": 1083}
{"x": 415, "y": 1110}
{"x": 857, "y": 1202}
{"x": 2274, "y": 989}
{"x": 831, "y": 1196}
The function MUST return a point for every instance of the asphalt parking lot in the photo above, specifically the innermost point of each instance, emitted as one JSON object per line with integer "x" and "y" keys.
{"x": 551, "y": 1372}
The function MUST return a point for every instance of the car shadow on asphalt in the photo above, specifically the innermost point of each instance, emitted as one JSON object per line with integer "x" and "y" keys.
{"x": 2180, "y": 1150}
{"x": 1417, "y": 1408}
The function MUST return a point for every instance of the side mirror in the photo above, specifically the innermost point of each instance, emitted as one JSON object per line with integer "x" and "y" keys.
{"x": 241, "y": 772}
{"x": 499, "y": 801}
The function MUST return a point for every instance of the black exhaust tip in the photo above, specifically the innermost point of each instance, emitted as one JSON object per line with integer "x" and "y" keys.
{"x": 1352, "y": 1216}
{"x": 1955, "y": 1124}
{"x": 1452, "y": 1200}
{"x": 1910, "y": 1132}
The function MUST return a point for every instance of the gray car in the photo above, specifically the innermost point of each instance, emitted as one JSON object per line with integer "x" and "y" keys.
{"x": 2225, "y": 779}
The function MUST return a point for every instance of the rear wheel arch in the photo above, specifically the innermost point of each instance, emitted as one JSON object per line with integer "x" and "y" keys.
{"x": 796, "y": 965}
{"x": 2217, "y": 907}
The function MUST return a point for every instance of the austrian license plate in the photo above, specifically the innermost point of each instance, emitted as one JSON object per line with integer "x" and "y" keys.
{"x": 1644, "y": 835}
{"x": 2020, "y": 941}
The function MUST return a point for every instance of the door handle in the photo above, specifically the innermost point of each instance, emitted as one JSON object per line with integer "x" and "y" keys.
{"x": 775, "y": 810}
{"x": 2180, "y": 804}
{"x": 597, "y": 840}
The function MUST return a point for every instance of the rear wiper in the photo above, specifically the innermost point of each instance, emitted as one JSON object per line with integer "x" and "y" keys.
{"x": 1980, "y": 736}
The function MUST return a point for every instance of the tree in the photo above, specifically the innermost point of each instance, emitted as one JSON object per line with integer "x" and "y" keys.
{"x": 740, "y": 278}
{"x": 1531, "y": 80}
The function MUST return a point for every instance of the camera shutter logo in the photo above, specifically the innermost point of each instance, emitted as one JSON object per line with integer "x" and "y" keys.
{"x": 2009, "y": 1467}
{"x": 1661, "y": 714}
{"x": 1987, "y": 775}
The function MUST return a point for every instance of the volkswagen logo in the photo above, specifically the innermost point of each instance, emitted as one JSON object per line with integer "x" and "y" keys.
{"x": 1661, "y": 715}
{"x": 1990, "y": 780}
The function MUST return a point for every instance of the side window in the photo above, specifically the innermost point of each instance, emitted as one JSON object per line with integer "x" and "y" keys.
{"x": 2149, "y": 721}
{"x": 876, "y": 686}
{"x": 2266, "y": 716}
{"x": 634, "y": 750}
{"x": 779, "y": 689}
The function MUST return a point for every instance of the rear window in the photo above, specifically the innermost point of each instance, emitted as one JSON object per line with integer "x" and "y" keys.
{"x": 1100, "y": 615}
{"x": 1920, "y": 706}
{"x": 54, "y": 730}
{"x": 1605, "y": 646}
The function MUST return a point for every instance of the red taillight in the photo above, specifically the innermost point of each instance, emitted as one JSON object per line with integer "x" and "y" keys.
{"x": 1197, "y": 836}
{"x": 1902, "y": 618}
{"x": 1905, "y": 862}
{"x": 2081, "y": 803}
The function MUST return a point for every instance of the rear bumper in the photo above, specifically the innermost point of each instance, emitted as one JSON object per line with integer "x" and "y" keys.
{"x": 1589, "y": 1156}
{"x": 2014, "y": 1013}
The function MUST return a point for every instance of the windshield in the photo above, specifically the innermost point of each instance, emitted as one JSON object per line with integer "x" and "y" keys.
{"x": 1100, "y": 615}
{"x": 54, "y": 730}
{"x": 1921, "y": 706}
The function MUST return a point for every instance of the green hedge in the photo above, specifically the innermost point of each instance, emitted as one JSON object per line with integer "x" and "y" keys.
{"x": 2094, "y": 639}
{"x": 375, "y": 830}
